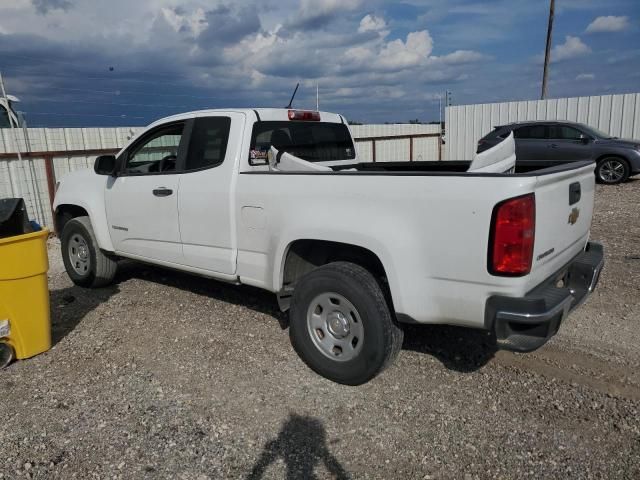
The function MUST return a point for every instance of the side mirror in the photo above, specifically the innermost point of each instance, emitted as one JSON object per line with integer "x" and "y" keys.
{"x": 105, "y": 165}
{"x": 584, "y": 139}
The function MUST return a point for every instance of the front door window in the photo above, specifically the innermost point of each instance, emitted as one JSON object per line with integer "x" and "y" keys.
{"x": 157, "y": 153}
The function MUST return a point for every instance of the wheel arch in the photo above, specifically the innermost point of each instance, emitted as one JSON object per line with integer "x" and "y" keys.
{"x": 68, "y": 211}
{"x": 303, "y": 255}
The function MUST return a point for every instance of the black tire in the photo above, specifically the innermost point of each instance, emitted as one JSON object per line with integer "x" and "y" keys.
{"x": 382, "y": 336}
{"x": 612, "y": 170}
{"x": 7, "y": 354}
{"x": 100, "y": 268}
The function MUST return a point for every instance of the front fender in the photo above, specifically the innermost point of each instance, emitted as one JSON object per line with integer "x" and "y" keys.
{"x": 85, "y": 189}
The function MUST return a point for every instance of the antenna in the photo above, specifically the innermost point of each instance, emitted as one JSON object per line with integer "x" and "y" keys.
{"x": 293, "y": 96}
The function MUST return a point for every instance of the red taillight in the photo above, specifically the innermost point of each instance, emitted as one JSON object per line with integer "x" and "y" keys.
{"x": 513, "y": 229}
{"x": 304, "y": 115}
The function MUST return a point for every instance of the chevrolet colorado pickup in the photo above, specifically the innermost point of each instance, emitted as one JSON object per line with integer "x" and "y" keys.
{"x": 353, "y": 250}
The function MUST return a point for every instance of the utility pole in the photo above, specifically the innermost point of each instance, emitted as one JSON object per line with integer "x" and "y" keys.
{"x": 317, "y": 97}
{"x": 547, "y": 52}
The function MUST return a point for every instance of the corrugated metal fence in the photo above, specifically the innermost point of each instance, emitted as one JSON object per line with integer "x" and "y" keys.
{"x": 421, "y": 148}
{"x": 29, "y": 179}
{"x": 618, "y": 115}
{"x": 64, "y": 151}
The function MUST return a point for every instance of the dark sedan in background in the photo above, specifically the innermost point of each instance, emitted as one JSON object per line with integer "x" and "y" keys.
{"x": 616, "y": 159}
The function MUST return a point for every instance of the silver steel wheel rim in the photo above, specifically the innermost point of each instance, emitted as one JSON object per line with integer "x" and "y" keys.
{"x": 335, "y": 327}
{"x": 79, "y": 256}
{"x": 612, "y": 171}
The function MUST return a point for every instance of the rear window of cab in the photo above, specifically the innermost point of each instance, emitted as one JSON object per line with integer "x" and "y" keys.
{"x": 310, "y": 141}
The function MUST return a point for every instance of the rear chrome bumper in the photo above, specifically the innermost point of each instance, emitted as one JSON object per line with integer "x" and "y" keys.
{"x": 523, "y": 324}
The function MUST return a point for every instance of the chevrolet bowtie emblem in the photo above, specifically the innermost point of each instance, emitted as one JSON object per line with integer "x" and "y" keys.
{"x": 573, "y": 216}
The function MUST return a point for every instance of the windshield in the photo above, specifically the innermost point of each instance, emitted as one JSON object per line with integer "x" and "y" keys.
{"x": 310, "y": 141}
{"x": 594, "y": 132}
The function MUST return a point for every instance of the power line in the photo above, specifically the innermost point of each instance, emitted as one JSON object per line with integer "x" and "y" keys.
{"x": 84, "y": 75}
{"x": 75, "y": 64}
{"x": 124, "y": 93}
{"x": 81, "y": 114}
{"x": 117, "y": 104}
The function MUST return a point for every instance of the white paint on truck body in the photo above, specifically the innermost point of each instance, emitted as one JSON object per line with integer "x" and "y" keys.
{"x": 236, "y": 222}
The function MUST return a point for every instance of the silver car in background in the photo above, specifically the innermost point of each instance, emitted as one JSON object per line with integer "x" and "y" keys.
{"x": 616, "y": 159}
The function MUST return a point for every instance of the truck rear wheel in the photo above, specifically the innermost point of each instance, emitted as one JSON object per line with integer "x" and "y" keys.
{"x": 341, "y": 325}
{"x": 86, "y": 264}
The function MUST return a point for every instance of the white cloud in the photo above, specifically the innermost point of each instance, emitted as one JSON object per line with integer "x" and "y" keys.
{"x": 585, "y": 76}
{"x": 412, "y": 52}
{"x": 314, "y": 14}
{"x": 608, "y": 24}
{"x": 194, "y": 23}
{"x": 461, "y": 57}
{"x": 571, "y": 48}
{"x": 372, "y": 23}
{"x": 216, "y": 49}
{"x": 394, "y": 55}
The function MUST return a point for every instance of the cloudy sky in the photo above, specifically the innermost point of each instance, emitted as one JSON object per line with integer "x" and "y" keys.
{"x": 128, "y": 62}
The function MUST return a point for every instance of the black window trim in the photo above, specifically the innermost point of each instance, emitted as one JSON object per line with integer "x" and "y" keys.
{"x": 531, "y": 125}
{"x": 256, "y": 164}
{"x": 183, "y": 169}
{"x": 556, "y": 125}
{"x": 185, "y": 139}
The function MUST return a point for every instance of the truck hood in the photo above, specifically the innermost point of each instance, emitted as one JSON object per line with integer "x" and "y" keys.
{"x": 79, "y": 186}
{"x": 77, "y": 175}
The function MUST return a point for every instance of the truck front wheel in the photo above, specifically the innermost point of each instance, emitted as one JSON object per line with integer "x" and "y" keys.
{"x": 86, "y": 264}
{"x": 341, "y": 325}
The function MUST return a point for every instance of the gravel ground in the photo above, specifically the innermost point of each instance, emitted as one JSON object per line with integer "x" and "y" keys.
{"x": 165, "y": 375}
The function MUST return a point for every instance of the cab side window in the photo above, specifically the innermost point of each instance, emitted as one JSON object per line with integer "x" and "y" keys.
{"x": 208, "y": 144}
{"x": 563, "y": 132}
{"x": 531, "y": 132}
{"x": 157, "y": 152}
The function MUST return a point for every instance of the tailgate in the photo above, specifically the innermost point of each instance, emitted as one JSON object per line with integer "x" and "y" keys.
{"x": 564, "y": 207}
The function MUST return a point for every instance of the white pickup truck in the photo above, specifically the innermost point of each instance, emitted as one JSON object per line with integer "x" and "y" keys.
{"x": 352, "y": 249}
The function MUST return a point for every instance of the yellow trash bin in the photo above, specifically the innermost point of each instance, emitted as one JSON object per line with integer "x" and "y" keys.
{"x": 25, "y": 319}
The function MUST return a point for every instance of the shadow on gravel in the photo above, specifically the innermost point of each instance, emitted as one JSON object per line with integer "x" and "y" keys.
{"x": 302, "y": 445}
{"x": 244, "y": 295}
{"x": 459, "y": 349}
{"x": 70, "y": 305}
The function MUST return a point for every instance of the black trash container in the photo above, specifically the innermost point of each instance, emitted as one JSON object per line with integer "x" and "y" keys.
{"x": 14, "y": 219}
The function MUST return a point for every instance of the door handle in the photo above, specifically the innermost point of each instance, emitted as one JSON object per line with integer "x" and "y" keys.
{"x": 162, "y": 192}
{"x": 553, "y": 145}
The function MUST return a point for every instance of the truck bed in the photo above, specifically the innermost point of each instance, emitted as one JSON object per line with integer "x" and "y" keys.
{"x": 457, "y": 167}
{"x": 431, "y": 235}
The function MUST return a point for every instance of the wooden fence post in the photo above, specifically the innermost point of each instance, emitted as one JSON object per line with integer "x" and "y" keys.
{"x": 51, "y": 179}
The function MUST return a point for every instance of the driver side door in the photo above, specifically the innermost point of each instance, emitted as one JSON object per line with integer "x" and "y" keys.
{"x": 142, "y": 201}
